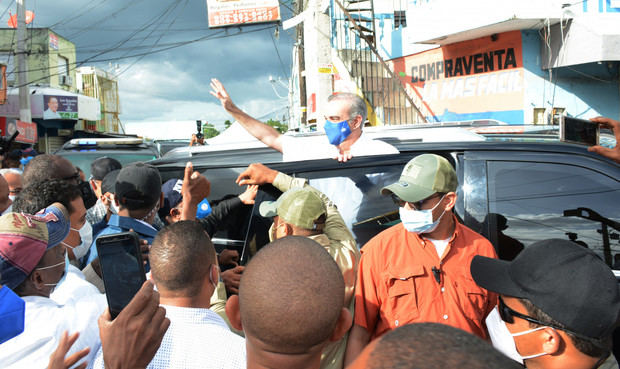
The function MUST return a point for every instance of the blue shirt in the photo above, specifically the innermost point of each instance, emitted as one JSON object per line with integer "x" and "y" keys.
{"x": 119, "y": 224}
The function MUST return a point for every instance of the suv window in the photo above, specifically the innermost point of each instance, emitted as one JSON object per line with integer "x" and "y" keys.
{"x": 530, "y": 201}
{"x": 355, "y": 191}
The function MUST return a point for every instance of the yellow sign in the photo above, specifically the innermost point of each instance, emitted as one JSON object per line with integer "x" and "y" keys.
{"x": 326, "y": 68}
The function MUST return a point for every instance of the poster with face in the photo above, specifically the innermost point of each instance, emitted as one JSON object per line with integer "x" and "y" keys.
{"x": 60, "y": 107}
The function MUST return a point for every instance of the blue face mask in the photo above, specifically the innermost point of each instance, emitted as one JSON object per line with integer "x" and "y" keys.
{"x": 337, "y": 132}
{"x": 12, "y": 310}
{"x": 419, "y": 221}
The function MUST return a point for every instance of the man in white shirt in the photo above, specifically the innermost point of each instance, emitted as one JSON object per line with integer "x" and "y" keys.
{"x": 345, "y": 115}
{"x": 185, "y": 271}
{"x": 32, "y": 264}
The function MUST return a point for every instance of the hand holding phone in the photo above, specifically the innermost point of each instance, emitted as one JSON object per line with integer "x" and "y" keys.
{"x": 579, "y": 131}
{"x": 121, "y": 268}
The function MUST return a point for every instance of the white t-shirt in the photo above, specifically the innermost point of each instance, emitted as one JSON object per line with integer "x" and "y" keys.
{"x": 440, "y": 245}
{"x": 318, "y": 147}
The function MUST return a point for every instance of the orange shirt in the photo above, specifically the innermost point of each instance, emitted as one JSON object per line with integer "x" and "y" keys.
{"x": 396, "y": 284}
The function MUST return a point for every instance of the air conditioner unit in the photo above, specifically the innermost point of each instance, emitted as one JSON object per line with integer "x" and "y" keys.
{"x": 66, "y": 80}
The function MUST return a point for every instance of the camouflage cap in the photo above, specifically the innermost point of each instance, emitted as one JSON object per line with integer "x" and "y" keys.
{"x": 423, "y": 176}
{"x": 300, "y": 207}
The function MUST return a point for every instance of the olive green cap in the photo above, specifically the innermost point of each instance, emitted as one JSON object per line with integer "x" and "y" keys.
{"x": 422, "y": 177}
{"x": 300, "y": 207}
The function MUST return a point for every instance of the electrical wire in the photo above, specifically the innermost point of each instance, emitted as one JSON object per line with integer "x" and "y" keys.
{"x": 75, "y": 65}
{"x": 278, "y": 53}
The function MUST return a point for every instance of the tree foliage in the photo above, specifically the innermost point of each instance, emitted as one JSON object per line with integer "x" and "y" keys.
{"x": 280, "y": 127}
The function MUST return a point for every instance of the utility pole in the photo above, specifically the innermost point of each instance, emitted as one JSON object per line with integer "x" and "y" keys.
{"x": 303, "y": 100}
{"x": 22, "y": 71}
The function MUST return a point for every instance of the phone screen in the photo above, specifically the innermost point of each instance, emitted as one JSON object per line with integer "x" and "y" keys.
{"x": 580, "y": 131}
{"x": 121, "y": 268}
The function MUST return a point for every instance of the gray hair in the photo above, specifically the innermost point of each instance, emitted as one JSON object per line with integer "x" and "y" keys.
{"x": 357, "y": 104}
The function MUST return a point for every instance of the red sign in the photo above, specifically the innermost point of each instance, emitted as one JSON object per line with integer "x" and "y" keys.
{"x": 27, "y": 131}
{"x": 237, "y": 12}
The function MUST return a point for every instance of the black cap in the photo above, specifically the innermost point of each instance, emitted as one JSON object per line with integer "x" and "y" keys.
{"x": 138, "y": 186}
{"x": 568, "y": 282}
{"x": 108, "y": 184}
{"x": 102, "y": 166}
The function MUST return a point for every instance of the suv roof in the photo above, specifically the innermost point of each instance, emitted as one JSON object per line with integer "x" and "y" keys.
{"x": 82, "y": 151}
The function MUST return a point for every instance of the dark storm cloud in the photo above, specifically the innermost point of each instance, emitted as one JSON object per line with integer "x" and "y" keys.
{"x": 114, "y": 30}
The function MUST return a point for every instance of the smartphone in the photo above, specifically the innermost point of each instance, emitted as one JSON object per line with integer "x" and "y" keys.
{"x": 121, "y": 268}
{"x": 579, "y": 131}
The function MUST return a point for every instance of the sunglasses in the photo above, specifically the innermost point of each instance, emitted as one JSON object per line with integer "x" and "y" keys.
{"x": 507, "y": 315}
{"x": 415, "y": 205}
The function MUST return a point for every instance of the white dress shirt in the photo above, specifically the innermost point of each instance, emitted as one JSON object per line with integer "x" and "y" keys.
{"x": 45, "y": 322}
{"x": 197, "y": 338}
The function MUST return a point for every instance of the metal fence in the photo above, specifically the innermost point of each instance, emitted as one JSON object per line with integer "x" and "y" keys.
{"x": 354, "y": 36}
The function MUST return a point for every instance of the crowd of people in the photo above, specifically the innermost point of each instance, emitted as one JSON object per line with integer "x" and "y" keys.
{"x": 426, "y": 293}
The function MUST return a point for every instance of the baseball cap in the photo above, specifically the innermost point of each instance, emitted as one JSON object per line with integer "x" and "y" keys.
{"x": 300, "y": 207}
{"x": 423, "y": 176}
{"x": 108, "y": 184}
{"x": 102, "y": 166}
{"x": 138, "y": 186}
{"x": 24, "y": 238}
{"x": 568, "y": 282}
{"x": 172, "y": 196}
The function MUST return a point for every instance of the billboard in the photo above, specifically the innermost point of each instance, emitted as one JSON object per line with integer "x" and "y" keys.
{"x": 60, "y": 107}
{"x": 27, "y": 131}
{"x": 237, "y": 12}
{"x": 474, "y": 79}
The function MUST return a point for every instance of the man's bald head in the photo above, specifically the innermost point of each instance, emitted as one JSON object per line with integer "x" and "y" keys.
{"x": 45, "y": 167}
{"x": 431, "y": 345}
{"x": 291, "y": 295}
{"x": 180, "y": 258}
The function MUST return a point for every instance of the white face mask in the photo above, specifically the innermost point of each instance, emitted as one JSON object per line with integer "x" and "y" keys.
{"x": 86, "y": 239}
{"x": 503, "y": 340}
{"x": 420, "y": 221}
{"x": 113, "y": 207}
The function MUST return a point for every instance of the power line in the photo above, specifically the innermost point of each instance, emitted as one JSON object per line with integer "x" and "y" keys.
{"x": 278, "y": 53}
{"x": 75, "y": 65}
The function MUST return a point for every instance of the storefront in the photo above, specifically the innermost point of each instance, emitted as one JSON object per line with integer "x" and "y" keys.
{"x": 55, "y": 113}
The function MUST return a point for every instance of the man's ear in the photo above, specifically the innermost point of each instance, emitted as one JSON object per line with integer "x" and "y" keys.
{"x": 175, "y": 215}
{"x": 552, "y": 342}
{"x": 450, "y": 200}
{"x": 357, "y": 122}
{"x": 345, "y": 320}
{"x": 36, "y": 280}
{"x": 288, "y": 229}
{"x": 93, "y": 184}
{"x": 233, "y": 313}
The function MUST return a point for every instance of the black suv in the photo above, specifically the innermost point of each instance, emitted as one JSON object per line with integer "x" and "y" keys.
{"x": 514, "y": 189}
{"x": 82, "y": 152}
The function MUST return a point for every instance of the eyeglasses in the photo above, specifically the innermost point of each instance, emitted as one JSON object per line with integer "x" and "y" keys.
{"x": 415, "y": 205}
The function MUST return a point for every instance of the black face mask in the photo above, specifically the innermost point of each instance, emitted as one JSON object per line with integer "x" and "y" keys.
{"x": 88, "y": 196}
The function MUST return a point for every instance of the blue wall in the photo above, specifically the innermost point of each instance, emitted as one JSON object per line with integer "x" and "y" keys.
{"x": 585, "y": 90}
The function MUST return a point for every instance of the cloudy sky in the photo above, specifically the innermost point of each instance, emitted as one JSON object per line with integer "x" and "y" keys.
{"x": 172, "y": 85}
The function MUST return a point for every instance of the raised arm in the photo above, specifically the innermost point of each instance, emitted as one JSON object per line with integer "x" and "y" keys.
{"x": 264, "y": 132}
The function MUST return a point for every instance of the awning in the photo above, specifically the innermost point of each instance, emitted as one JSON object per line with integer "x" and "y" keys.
{"x": 461, "y": 21}
{"x": 587, "y": 39}
{"x": 53, "y": 104}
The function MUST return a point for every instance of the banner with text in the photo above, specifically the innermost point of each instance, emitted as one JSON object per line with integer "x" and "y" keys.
{"x": 60, "y": 107}
{"x": 237, "y": 12}
{"x": 475, "y": 79}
